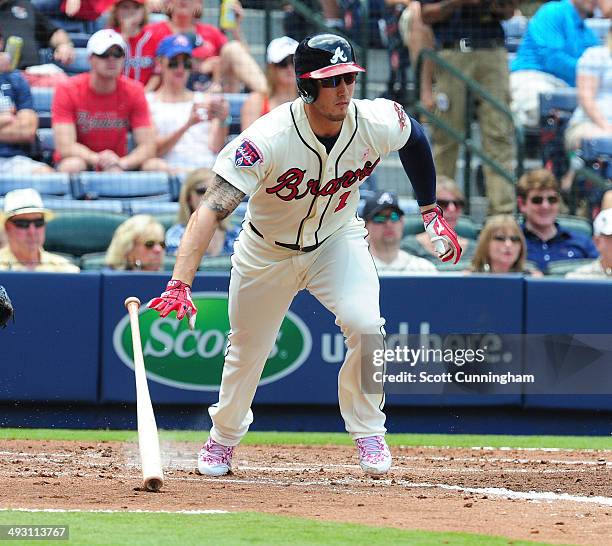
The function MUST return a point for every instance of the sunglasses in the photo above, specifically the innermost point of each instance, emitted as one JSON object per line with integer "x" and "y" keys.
{"x": 382, "y": 218}
{"x": 334, "y": 81}
{"x": 200, "y": 191}
{"x": 174, "y": 63}
{"x": 538, "y": 199}
{"x": 25, "y": 224}
{"x": 504, "y": 238}
{"x": 444, "y": 203}
{"x": 151, "y": 244}
{"x": 115, "y": 53}
{"x": 287, "y": 61}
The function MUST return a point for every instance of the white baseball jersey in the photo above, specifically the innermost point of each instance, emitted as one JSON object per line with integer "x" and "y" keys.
{"x": 300, "y": 195}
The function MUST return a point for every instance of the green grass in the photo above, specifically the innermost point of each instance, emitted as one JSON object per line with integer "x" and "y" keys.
{"x": 316, "y": 438}
{"x": 244, "y": 528}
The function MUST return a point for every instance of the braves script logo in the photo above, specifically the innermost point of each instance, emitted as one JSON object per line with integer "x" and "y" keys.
{"x": 248, "y": 154}
{"x": 338, "y": 56}
{"x": 401, "y": 116}
{"x": 288, "y": 183}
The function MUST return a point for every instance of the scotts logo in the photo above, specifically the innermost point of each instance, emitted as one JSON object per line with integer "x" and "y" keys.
{"x": 193, "y": 360}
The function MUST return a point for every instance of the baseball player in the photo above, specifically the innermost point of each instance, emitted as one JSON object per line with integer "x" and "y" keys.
{"x": 302, "y": 165}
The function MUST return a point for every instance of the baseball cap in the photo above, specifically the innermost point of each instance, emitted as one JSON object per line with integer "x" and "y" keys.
{"x": 174, "y": 45}
{"x": 100, "y": 42}
{"x": 23, "y": 201}
{"x": 137, "y": 1}
{"x": 602, "y": 225}
{"x": 379, "y": 202}
{"x": 279, "y": 49}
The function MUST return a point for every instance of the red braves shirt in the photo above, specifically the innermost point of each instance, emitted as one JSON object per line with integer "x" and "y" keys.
{"x": 209, "y": 39}
{"x": 140, "y": 58}
{"x": 102, "y": 121}
{"x": 90, "y": 10}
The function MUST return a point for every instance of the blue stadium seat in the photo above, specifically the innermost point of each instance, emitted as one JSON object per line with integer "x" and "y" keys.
{"x": 42, "y": 97}
{"x": 79, "y": 65}
{"x": 147, "y": 185}
{"x": 53, "y": 184}
{"x": 79, "y": 39}
{"x": 153, "y": 207}
{"x": 113, "y": 206}
{"x": 597, "y": 148}
{"x": 600, "y": 27}
{"x": 565, "y": 100}
{"x": 45, "y": 145}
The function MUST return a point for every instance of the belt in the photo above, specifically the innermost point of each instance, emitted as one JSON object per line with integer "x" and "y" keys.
{"x": 467, "y": 44}
{"x": 290, "y": 246}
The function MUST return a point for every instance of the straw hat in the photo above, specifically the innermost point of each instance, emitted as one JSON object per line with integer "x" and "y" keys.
{"x": 24, "y": 201}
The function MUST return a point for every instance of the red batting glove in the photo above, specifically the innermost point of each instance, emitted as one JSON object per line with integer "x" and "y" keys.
{"x": 177, "y": 297}
{"x": 442, "y": 235}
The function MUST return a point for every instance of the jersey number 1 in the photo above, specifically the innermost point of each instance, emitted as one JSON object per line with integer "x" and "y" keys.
{"x": 343, "y": 199}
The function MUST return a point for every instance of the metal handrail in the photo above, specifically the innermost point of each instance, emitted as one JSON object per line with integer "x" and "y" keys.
{"x": 473, "y": 90}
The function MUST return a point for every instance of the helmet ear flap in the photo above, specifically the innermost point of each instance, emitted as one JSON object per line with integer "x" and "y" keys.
{"x": 307, "y": 89}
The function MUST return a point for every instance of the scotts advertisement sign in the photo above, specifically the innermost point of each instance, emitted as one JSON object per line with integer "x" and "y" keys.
{"x": 179, "y": 357}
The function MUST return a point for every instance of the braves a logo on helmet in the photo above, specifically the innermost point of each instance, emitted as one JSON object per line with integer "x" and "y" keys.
{"x": 248, "y": 154}
{"x": 339, "y": 56}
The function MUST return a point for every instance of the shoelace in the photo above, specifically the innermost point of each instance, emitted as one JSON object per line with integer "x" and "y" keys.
{"x": 371, "y": 448}
{"x": 217, "y": 453}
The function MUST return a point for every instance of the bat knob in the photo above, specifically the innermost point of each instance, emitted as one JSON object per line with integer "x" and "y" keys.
{"x": 153, "y": 484}
{"x": 131, "y": 299}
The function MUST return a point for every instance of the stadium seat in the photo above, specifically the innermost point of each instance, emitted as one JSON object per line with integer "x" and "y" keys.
{"x": 153, "y": 207}
{"x": 79, "y": 233}
{"x": 514, "y": 29}
{"x": 132, "y": 185}
{"x": 465, "y": 227}
{"x": 600, "y": 27}
{"x": 597, "y": 148}
{"x": 236, "y": 100}
{"x": 96, "y": 261}
{"x": 216, "y": 263}
{"x": 56, "y": 184}
{"x": 561, "y": 267}
{"x": 44, "y": 145}
{"x": 42, "y": 97}
{"x": 577, "y": 224}
{"x": 113, "y": 206}
{"x": 79, "y": 65}
{"x": 79, "y": 39}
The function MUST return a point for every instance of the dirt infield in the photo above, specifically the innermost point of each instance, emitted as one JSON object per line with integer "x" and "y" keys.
{"x": 557, "y": 496}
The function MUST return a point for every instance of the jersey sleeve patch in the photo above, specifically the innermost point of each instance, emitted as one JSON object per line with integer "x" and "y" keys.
{"x": 248, "y": 154}
{"x": 402, "y": 118}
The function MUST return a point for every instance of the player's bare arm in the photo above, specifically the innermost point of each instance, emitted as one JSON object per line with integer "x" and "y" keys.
{"x": 220, "y": 201}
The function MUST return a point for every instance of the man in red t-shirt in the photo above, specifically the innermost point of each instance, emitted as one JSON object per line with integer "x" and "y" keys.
{"x": 93, "y": 112}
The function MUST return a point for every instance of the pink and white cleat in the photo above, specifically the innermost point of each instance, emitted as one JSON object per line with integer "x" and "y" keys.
{"x": 215, "y": 459}
{"x": 374, "y": 455}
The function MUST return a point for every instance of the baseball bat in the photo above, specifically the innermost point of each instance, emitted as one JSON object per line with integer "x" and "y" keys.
{"x": 148, "y": 441}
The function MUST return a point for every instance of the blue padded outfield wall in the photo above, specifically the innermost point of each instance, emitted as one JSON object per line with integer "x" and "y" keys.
{"x": 71, "y": 341}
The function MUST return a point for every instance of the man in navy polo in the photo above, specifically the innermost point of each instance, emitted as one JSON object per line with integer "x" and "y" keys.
{"x": 547, "y": 241}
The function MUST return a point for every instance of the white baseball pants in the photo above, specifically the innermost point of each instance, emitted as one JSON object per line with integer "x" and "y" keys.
{"x": 264, "y": 280}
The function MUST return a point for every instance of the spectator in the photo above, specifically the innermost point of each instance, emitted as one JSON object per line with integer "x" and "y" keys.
{"x": 385, "y": 224}
{"x": 93, "y": 112}
{"x": 129, "y": 18}
{"x": 546, "y": 60}
{"x": 191, "y": 127}
{"x": 24, "y": 221}
{"x": 21, "y": 18}
{"x": 450, "y": 198}
{"x": 226, "y": 63}
{"x": 593, "y": 117}
{"x": 602, "y": 237}
{"x": 192, "y": 191}
{"x": 470, "y": 38}
{"x": 501, "y": 247}
{"x": 280, "y": 74}
{"x": 85, "y": 10}
{"x": 137, "y": 245}
{"x": 18, "y": 122}
{"x": 606, "y": 200}
{"x": 547, "y": 241}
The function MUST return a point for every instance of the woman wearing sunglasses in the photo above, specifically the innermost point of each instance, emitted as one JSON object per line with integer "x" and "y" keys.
{"x": 501, "y": 248}
{"x": 191, "y": 127}
{"x": 192, "y": 192}
{"x": 280, "y": 74}
{"x": 451, "y": 200}
{"x": 137, "y": 245}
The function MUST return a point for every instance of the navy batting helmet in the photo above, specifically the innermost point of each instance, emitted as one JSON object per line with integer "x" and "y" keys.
{"x": 322, "y": 56}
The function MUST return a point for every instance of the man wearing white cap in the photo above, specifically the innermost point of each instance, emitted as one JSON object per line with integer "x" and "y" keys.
{"x": 24, "y": 218}
{"x": 93, "y": 112}
{"x": 280, "y": 74}
{"x": 602, "y": 237}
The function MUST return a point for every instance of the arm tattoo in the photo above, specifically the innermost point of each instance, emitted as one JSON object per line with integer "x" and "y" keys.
{"x": 222, "y": 198}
